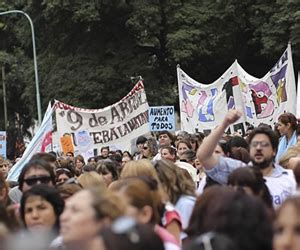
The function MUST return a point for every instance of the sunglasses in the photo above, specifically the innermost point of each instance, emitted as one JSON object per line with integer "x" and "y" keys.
{"x": 145, "y": 148}
{"x": 35, "y": 179}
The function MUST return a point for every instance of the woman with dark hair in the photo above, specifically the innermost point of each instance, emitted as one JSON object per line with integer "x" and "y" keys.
{"x": 109, "y": 171}
{"x": 63, "y": 174}
{"x": 241, "y": 217}
{"x": 79, "y": 164}
{"x": 251, "y": 181}
{"x": 183, "y": 146}
{"x": 40, "y": 209}
{"x": 287, "y": 125}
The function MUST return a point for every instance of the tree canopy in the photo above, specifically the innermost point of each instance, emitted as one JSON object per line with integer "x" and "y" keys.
{"x": 90, "y": 52}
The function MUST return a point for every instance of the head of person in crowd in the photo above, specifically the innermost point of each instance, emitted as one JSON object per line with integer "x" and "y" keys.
{"x": 188, "y": 156}
{"x": 165, "y": 138}
{"x": 66, "y": 190}
{"x": 290, "y": 157}
{"x": 241, "y": 154}
{"x": 4, "y": 187}
{"x": 181, "y": 135}
{"x": 91, "y": 180}
{"x": 222, "y": 148}
{"x": 125, "y": 159}
{"x": 139, "y": 168}
{"x": 79, "y": 164}
{"x": 250, "y": 180}
{"x": 195, "y": 142}
{"x": 63, "y": 174}
{"x": 36, "y": 172}
{"x": 142, "y": 197}
{"x": 90, "y": 167}
{"x": 287, "y": 124}
{"x": 65, "y": 163}
{"x": 70, "y": 156}
{"x": 183, "y": 146}
{"x": 168, "y": 153}
{"x": 127, "y": 153}
{"x": 104, "y": 152}
{"x": 117, "y": 160}
{"x": 263, "y": 145}
{"x": 287, "y": 224}
{"x": 91, "y": 160}
{"x": 150, "y": 148}
{"x": 108, "y": 170}
{"x": 40, "y": 208}
{"x": 9, "y": 222}
{"x": 174, "y": 182}
{"x": 243, "y": 218}
{"x": 212, "y": 241}
{"x": 140, "y": 143}
{"x": 237, "y": 142}
{"x": 4, "y": 167}
{"x": 92, "y": 209}
{"x": 126, "y": 233}
{"x": 47, "y": 157}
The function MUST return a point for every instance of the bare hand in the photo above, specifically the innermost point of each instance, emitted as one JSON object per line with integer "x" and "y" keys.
{"x": 232, "y": 116}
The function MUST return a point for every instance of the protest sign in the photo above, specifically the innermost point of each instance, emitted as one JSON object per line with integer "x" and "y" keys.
{"x": 114, "y": 125}
{"x": 66, "y": 143}
{"x": 3, "y": 144}
{"x": 203, "y": 107}
{"x": 162, "y": 118}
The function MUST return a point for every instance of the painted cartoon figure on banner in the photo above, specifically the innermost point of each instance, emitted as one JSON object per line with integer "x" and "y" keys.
{"x": 186, "y": 105}
{"x": 206, "y": 105}
{"x": 261, "y": 94}
{"x": 279, "y": 81}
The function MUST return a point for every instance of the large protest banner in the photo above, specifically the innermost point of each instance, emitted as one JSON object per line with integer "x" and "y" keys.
{"x": 113, "y": 125}
{"x": 41, "y": 142}
{"x": 203, "y": 107}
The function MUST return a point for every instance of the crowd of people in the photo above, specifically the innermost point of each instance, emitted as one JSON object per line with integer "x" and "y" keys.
{"x": 183, "y": 191}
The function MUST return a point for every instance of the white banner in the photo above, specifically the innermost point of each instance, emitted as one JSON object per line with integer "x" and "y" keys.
{"x": 203, "y": 107}
{"x": 41, "y": 142}
{"x": 114, "y": 125}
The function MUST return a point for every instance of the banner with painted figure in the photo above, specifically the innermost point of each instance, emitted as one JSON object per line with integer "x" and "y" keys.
{"x": 114, "y": 125}
{"x": 41, "y": 142}
{"x": 203, "y": 107}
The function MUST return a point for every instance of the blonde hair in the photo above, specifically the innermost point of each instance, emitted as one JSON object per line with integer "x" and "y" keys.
{"x": 293, "y": 151}
{"x": 107, "y": 204}
{"x": 91, "y": 180}
{"x": 139, "y": 168}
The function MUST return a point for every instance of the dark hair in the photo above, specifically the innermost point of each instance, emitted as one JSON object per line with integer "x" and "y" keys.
{"x": 107, "y": 166}
{"x": 186, "y": 142}
{"x": 241, "y": 217}
{"x": 190, "y": 155}
{"x": 170, "y": 135}
{"x": 237, "y": 141}
{"x": 241, "y": 154}
{"x": 216, "y": 241}
{"x": 36, "y": 164}
{"x": 130, "y": 235}
{"x": 44, "y": 156}
{"x": 67, "y": 171}
{"x": 171, "y": 149}
{"x": 286, "y": 118}
{"x": 266, "y": 131}
{"x": 141, "y": 140}
{"x": 107, "y": 147}
{"x": 80, "y": 158}
{"x": 128, "y": 153}
{"x": 50, "y": 194}
{"x": 251, "y": 177}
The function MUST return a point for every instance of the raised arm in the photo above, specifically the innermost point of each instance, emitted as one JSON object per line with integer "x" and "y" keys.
{"x": 206, "y": 150}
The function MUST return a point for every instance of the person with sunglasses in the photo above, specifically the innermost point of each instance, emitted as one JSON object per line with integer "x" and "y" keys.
{"x": 33, "y": 173}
